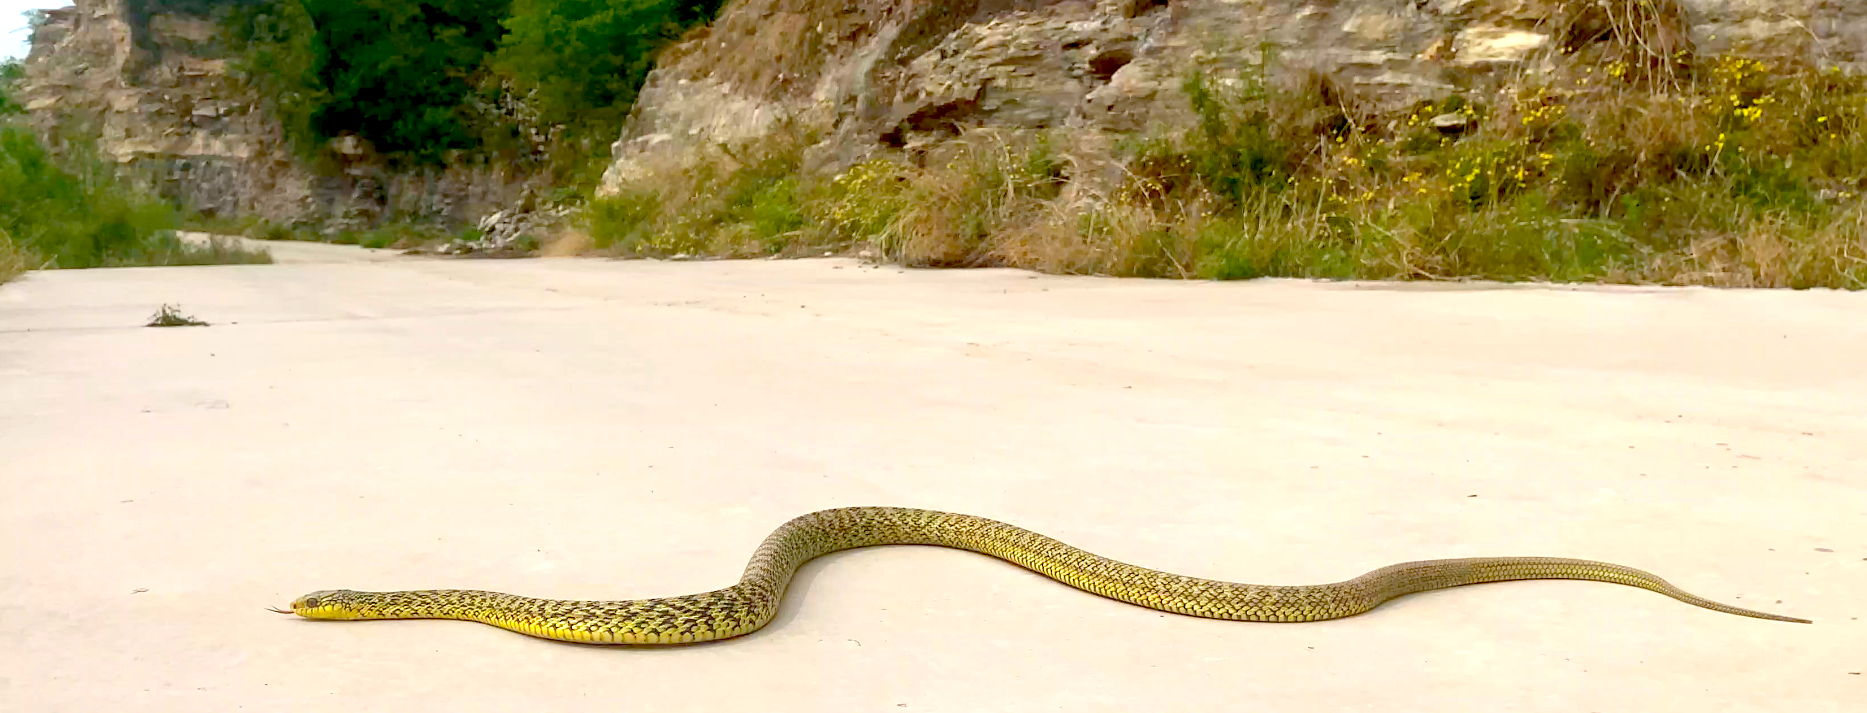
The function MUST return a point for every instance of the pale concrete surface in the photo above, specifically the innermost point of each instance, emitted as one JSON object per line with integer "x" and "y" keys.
{"x": 596, "y": 429}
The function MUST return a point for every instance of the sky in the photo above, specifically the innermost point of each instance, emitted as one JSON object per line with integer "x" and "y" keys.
{"x": 13, "y": 33}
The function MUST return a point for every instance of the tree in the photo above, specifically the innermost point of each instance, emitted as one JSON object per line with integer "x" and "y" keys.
{"x": 582, "y": 61}
{"x": 277, "y": 60}
{"x": 11, "y": 71}
{"x": 396, "y": 72}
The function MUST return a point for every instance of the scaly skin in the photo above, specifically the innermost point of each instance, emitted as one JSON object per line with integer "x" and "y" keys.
{"x": 749, "y": 605}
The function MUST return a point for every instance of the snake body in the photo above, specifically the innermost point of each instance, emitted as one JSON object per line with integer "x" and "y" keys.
{"x": 749, "y": 605}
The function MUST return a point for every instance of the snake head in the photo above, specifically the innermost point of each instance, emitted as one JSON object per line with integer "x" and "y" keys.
{"x": 324, "y": 604}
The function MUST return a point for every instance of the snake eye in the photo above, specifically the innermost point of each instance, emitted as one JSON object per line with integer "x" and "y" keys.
{"x": 311, "y": 601}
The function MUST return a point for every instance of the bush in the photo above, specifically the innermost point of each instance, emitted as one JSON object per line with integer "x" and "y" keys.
{"x": 11, "y": 71}
{"x": 1234, "y": 151}
{"x": 277, "y": 60}
{"x": 418, "y": 79}
{"x": 734, "y": 200}
{"x": 72, "y": 212}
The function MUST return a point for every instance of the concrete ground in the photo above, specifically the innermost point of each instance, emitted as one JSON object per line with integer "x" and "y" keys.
{"x": 601, "y": 429}
{"x": 290, "y": 252}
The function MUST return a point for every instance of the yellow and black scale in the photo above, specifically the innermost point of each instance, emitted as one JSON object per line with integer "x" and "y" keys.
{"x": 750, "y": 605}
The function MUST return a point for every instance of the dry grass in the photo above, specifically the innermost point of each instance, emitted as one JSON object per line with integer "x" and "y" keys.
{"x": 991, "y": 185}
{"x": 1652, "y": 38}
{"x": 776, "y": 48}
{"x": 740, "y": 200}
{"x": 1633, "y": 160}
{"x": 1779, "y": 253}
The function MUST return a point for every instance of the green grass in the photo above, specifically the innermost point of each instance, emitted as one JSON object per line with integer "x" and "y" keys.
{"x": 393, "y": 234}
{"x": 1724, "y": 171}
{"x": 739, "y": 201}
{"x": 72, "y": 211}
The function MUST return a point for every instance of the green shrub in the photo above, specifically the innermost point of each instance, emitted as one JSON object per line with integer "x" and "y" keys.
{"x": 73, "y": 212}
{"x": 276, "y": 58}
{"x": 1235, "y": 150}
{"x": 738, "y": 200}
{"x": 11, "y": 71}
{"x": 81, "y": 218}
{"x": 417, "y": 79}
{"x": 625, "y": 222}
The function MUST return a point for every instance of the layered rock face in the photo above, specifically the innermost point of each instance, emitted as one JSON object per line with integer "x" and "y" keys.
{"x": 143, "y": 80}
{"x": 901, "y": 72}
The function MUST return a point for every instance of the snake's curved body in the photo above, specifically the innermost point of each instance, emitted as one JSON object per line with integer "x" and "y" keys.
{"x": 749, "y": 605}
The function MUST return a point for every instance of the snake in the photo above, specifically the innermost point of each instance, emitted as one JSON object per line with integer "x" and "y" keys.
{"x": 752, "y": 603}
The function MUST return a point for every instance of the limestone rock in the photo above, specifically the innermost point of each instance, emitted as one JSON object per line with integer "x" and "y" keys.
{"x": 896, "y": 73}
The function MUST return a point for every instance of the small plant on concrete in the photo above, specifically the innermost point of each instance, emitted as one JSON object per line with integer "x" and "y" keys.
{"x": 170, "y": 316}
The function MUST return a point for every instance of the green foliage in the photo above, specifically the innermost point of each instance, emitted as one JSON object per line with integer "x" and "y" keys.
{"x": 1236, "y": 148}
{"x": 403, "y": 75}
{"x": 861, "y": 203}
{"x": 397, "y": 234}
{"x": 1527, "y": 238}
{"x": 397, "y": 71}
{"x": 73, "y": 212}
{"x": 740, "y": 200}
{"x": 278, "y": 61}
{"x": 624, "y": 222}
{"x": 71, "y": 219}
{"x": 1271, "y": 238}
{"x": 581, "y": 62}
{"x": 11, "y": 71}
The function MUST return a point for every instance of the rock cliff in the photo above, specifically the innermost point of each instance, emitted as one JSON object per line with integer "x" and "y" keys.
{"x": 150, "y": 80}
{"x": 904, "y": 72}
{"x": 145, "y": 83}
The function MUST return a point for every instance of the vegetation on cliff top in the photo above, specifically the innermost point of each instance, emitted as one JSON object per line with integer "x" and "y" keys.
{"x": 504, "y": 78}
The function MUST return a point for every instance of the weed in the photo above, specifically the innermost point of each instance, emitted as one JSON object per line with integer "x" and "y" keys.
{"x": 1235, "y": 149}
{"x": 861, "y": 203}
{"x": 70, "y": 210}
{"x": 742, "y": 200}
{"x": 987, "y": 182}
{"x": 624, "y": 222}
{"x": 170, "y": 316}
